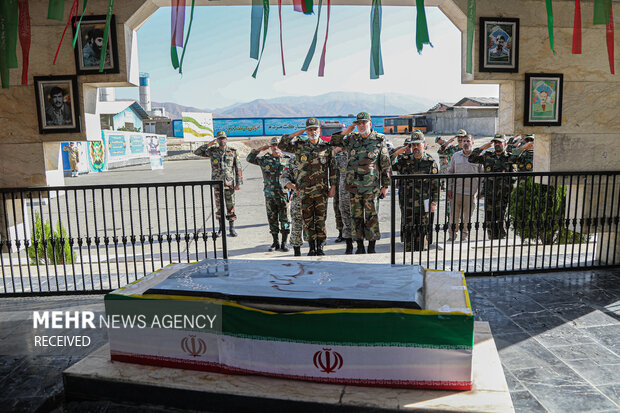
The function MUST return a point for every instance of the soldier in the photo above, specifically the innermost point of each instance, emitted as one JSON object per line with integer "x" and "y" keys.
{"x": 496, "y": 189}
{"x": 74, "y": 157}
{"x": 367, "y": 177}
{"x": 224, "y": 166}
{"x": 446, "y": 150}
{"x": 337, "y": 213}
{"x": 288, "y": 180}
{"x": 315, "y": 176}
{"x": 341, "y": 160}
{"x": 418, "y": 200}
{"x": 512, "y": 143}
{"x": 276, "y": 201}
{"x": 525, "y": 154}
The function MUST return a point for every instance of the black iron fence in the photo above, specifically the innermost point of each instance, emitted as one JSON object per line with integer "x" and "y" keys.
{"x": 506, "y": 222}
{"x": 85, "y": 239}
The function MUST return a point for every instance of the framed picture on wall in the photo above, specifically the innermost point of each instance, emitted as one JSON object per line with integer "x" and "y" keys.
{"x": 89, "y": 46}
{"x": 58, "y": 104}
{"x": 543, "y": 99}
{"x": 499, "y": 45}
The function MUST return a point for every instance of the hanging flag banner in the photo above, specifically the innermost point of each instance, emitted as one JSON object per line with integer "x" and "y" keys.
{"x": 73, "y": 10}
{"x": 177, "y": 26}
{"x": 189, "y": 29}
{"x": 56, "y": 9}
{"x": 106, "y": 34}
{"x": 376, "y": 60}
{"x": 421, "y": 35}
{"x": 79, "y": 23}
{"x": 197, "y": 126}
{"x": 11, "y": 32}
{"x": 471, "y": 26}
{"x": 265, "y": 19}
{"x": 4, "y": 67}
{"x": 281, "y": 43}
{"x": 577, "y": 28}
{"x": 602, "y": 10}
{"x": 610, "y": 42}
{"x": 322, "y": 61}
{"x": 310, "y": 53}
{"x": 550, "y": 24}
{"x": 24, "y": 38}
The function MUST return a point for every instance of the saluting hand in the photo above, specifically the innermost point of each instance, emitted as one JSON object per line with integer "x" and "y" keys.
{"x": 349, "y": 129}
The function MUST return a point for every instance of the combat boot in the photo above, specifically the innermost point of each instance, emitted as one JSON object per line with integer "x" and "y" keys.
{"x": 276, "y": 244}
{"x": 312, "y": 251}
{"x": 283, "y": 246}
{"x": 339, "y": 239}
{"x": 297, "y": 251}
{"x": 360, "y": 247}
{"x": 231, "y": 229}
{"x": 319, "y": 248}
{"x": 371, "y": 247}
{"x": 349, "y": 249}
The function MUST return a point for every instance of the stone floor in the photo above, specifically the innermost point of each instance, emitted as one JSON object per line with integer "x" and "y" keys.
{"x": 558, "y": 336}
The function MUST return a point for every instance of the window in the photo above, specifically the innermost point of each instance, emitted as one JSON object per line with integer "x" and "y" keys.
{"x": 106, "y": 122}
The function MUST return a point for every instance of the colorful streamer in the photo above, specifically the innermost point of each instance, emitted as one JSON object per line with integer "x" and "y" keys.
{"x": 106, "y": 34}
{"x": 421, "y": 35}
{"x": 79, "y": 23}
{"x": 471, "y": 26}
{"x": 256, "y": 23}
{"x": 577, "y": 29}
{"x": 297, "y": 6}
{"x": 56, "y": 10}
{"x": 376, "y": 61}
{"x": 281, "y": 43}
{"x": 24, "y": 38}
{"x": 177, "y": 27}
{"x": 610, "y": 41}
{"x": 322, "y": 61}
{"x": 550, "y": 24}
{"x": 307, "y": 6}
{"x": 312, "y": 48}
{"x": 11, "y": 33}
{"x": 4, "y": 67}
{"x": 73, "y": 10}
{"x": 189, "y": 29}
{"x": 265, "y": 27}
{"x": 602, "y": 10}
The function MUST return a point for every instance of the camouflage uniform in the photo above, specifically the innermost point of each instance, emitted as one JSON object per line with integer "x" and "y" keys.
{"x": 341, "y": 160}
{"x": 289, "y": 175}
{"x": 276, "y": 200}
{"x": 524, "y": 158}
{"x": 368, "y": 170}
{"x": 445, "y": 155}
{"x": 337, "y": 213}
{"x": 315, "y": 175}
{"x": 496, "y": 189}
{"x": 416, "y": 223}
{"x": 224, "y": 166}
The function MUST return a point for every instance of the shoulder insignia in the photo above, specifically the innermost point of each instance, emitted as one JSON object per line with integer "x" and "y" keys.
{"x": 488, "y": 169}
{"x": 435, "y": 170}
{"x": 528, "y": 165}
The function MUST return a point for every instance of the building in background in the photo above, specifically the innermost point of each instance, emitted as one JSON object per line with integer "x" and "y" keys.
{"x": 478, "y": 116}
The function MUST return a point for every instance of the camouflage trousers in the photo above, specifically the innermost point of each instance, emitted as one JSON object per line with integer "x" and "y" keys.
{"x": 495, "y": 215}
{"x": 345, "y": 210}
{"x": 364, "y": 216}
{"x": 416, "y": 228}
{"x": 297, "y": 224}
{"x": 337, "y": 209}
{"x": 229, "y": 200}
{"x": 277, "y": 214}
{"x": 314, "y": 213}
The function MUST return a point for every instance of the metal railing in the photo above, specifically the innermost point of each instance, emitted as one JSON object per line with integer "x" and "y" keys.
{"x": 519, "y": 222}
{"x": 85, "y": 239}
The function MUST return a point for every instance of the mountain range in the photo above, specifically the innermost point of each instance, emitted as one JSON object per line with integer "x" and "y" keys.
{"x": 329, "y": 104}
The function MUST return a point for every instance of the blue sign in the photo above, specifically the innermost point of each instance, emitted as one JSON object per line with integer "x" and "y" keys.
{"x": 177, "y": 128}
{"x": 116, "y": 145}
{"x": 239, "y": 127}
{"x": 136, "y": 144}
{"x": 163, "y": 148}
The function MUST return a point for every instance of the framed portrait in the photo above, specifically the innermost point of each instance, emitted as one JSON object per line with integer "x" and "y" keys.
{"x": 499, "y": 45}
{"x": 58, "y": 104}
{"x": 543, "y": 99}
{"x": 89, "y": 46}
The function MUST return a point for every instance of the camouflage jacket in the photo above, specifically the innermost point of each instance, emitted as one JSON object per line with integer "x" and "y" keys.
{"x": 314, "y": 162}
{"x": 369, "y": 165}
{"x": 525, "y": 159}
{"x": 272, "y": 168}
{"x": 341, "y": 159}
{"x": 224, "y": 164}
{"x": 289, "y": 175}
{"x": 407, "y": 164}
{"x": 494, "y": 162}
{"x": 445, "y": 153}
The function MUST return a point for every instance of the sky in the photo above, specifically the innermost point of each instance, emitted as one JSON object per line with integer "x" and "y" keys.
{"x": 217, "y": 68}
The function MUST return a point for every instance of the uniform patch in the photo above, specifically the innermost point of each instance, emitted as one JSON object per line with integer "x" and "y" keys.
{"x": 371, "y": 155}
{"x": 488, "y": 169}
{"x": 303, "y": 158}
{"x": 528, "y": 166}
{"x": 384, "y": 150}
{"x": 435, "y": 170}
{"x": 352, "y": 152}
{"x": 267, "y": 167}
{"x": 323, "y": 159}
{"x": 215, "y": 162}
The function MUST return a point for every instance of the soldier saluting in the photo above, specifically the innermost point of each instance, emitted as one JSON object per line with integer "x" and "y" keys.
{"x": 367, "y": 177}
{"x": 224, "y": 166}
{"x": 316, "y": 180}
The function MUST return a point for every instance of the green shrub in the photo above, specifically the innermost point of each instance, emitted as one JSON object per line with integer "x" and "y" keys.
{"x": 60, "y": 253}
{"x": 537, "y": 213}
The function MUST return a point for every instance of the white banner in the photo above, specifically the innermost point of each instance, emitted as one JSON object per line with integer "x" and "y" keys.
{"x": 197, "y": 126}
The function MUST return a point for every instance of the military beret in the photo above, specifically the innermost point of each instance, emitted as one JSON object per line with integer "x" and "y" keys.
{"x": 362, "y": 116}
{"x": 461, "y": 132}
{"x": 274, "y": 141}
{"x": 499, "y": 137}
{"x": 312, "y": 123}
{"x": 221, "y": 135}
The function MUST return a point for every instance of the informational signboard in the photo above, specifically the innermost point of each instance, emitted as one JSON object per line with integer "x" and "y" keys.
{"x": 240, "y": 127}
{"x": 197, "y": 126}
{"x": 284, "y": 125}
{"x": 116, "y": 145}
{"x": 177, "y": 128}
{"x": 136, "y": 144}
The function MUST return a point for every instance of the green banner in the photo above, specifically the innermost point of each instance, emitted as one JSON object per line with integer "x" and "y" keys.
{"x": 189, "y": 29}
{"x": 12, "y": 7}
{"x": 106, "y": 34}
{"x": 421, "y": 33}
{"x": 56, "y": 9}
{"x": 602, "y": 8}
{"x": 265, "y": 26}
{"x": 471, "y": 27}
{"x": 77, "y": 29}
{"x": 376, "y": 60}
{"x": 312, "y": 48}
{"x": 550, "y": 23}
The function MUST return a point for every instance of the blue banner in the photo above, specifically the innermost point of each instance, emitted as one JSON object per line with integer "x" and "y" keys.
{"x": 116, "y": 145}
{"x": 177, "y": 128}
{"x": 163, "y": 145}
{"x": 136, "y": 144}
{"x": 239, "y": 127}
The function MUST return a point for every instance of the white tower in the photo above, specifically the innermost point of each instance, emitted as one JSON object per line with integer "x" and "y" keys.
{"x": 145, "y": 92}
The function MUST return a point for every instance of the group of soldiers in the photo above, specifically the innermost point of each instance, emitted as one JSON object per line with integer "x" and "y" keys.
{"x": 355, "y": 168}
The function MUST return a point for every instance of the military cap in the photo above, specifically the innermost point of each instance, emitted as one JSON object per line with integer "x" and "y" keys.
{"x": 530, "y": 136}
{"x": 408, "y": 141}
{"x": 437, "y": 139}
{"x": 362, "y": 116}
{"x": 274, "y": 141}
{"x": 499, "y": 137}
{"x": 312, "y": 123}
{"x": 221, "y": 135}
{"x": 417, "y": 137}
{"x": 461, "y": 132}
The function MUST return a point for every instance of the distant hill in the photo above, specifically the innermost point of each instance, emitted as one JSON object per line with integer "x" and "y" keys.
{"x": 329, "y": 104}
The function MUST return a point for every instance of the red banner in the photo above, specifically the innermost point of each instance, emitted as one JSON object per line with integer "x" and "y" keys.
{"x": 577, "y": 28}
{"x": 610, "y": 41}
{"x": 74, "y": 7}
{"x": 24, "y": 37}
{"x": 322, "y": 61}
